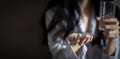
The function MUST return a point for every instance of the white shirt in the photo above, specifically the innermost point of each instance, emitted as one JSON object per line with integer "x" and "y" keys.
{"x": 61, "y": 49}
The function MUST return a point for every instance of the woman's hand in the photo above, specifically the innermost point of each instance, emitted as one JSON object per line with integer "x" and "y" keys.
{"x": 77, "y": 40}
{"x": 111, "y": 27}
{"x": 111, "y": 32}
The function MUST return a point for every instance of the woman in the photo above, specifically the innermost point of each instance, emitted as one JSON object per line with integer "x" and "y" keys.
{"x": 72, "y": 31}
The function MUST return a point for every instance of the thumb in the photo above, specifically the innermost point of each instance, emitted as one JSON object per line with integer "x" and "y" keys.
{"x": 98, "y": 18}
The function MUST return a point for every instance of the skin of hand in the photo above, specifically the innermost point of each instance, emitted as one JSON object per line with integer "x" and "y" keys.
{"x": 111, "y": 32}
{"x": 111, "y": 27}
{"x": 77, "y": 42}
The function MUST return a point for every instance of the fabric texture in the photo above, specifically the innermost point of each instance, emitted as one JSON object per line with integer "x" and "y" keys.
{"x": 61, "y": 49}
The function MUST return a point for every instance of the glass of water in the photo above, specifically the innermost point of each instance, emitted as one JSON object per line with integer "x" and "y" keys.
{"x": 107, "y": 9}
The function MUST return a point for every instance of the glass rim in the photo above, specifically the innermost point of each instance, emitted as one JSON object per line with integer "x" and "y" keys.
{"x": 108, "y": 1}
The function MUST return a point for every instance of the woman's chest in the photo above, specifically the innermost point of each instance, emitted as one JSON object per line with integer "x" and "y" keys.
{"x": 81, "y": 27}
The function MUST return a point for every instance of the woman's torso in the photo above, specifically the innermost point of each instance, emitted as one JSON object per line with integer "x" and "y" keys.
{"x": 92, "y": 52}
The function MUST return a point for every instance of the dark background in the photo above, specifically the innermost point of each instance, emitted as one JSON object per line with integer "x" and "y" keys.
{"x": 20, "y": 29}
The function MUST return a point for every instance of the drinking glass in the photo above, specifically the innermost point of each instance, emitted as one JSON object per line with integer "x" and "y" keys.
{"x": 107, "y": 9}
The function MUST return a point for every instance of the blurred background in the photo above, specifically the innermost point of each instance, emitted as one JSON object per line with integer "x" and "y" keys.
{"x": 20, "y": 29}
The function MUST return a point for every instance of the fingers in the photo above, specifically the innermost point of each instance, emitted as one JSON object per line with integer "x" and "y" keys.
{"x": 86, "y": 39}
{"x": 98, "y": 18}
{"x": 107, "y": 19}
{"x": 72, "y": 38}
{"x": 111, "y": 34}
{"x": 110, "y": 26}
{"x": 110, "y": 20}
{"x": 91, "y": 38}
{"x": 80, "y": 39}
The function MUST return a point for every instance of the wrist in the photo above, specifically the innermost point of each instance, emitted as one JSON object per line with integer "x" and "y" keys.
{"x": 112, "y": 39}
